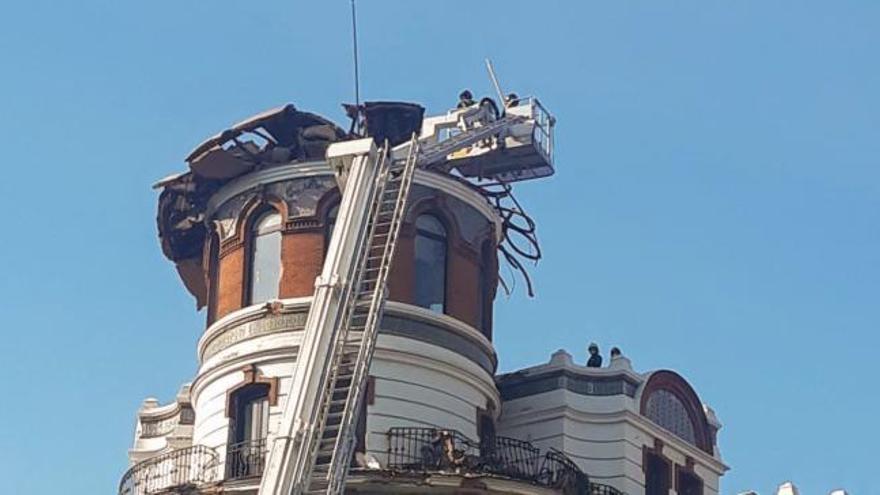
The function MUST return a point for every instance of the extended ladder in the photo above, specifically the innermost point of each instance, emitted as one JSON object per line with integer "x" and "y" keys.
{"x": 334, "y": 444}
{"x": 312, "y": 449}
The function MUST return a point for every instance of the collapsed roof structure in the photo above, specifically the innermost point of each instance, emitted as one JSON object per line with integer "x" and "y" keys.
{"x": 286, "y": 135}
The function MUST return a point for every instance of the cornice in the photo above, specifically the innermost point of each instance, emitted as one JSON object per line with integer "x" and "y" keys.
{"x": 289, "y": 315}
{"x": 432, "y": 180}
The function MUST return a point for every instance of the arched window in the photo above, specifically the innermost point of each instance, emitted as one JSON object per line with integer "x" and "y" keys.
{"x": 264, "y": 273}
{"x": 249, "y": 425}
{"x": 667, "y": 410}
{"x": 670, "y": 402}
{"x": 430, "y": 258}
{"x": 486, "y": 290}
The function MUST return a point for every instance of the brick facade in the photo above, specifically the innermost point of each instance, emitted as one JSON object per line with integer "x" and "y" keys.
{"x": 303, "y": 251}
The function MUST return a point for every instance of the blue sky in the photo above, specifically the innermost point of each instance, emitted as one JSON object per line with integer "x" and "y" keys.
{"x": 715, "y": 210}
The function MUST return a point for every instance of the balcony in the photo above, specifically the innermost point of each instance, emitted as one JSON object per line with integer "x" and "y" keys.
{"x": 245, "y": 459}
{"x": 447, "y": 451}
{"x": 172, "y": 471}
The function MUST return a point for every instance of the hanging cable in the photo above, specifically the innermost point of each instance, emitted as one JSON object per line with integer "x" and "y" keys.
{"x": 516, "y": 226}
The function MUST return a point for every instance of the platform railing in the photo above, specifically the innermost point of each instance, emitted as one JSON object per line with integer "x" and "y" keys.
{"x": 188, "y": 467}
{"x": 542, "y": 135}
{"x": 446, "y": 450}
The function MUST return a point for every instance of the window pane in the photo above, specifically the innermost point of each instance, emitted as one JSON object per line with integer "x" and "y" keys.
{"x": 484, "y": 308}
{"x": 268, "y": 222}
{"x": 430, "y": 262}
{"x": 266, "y": 259}
{"x": 258, "y": 419}
{"x": 330, "y": 223}
{"x": 665, "y": 409}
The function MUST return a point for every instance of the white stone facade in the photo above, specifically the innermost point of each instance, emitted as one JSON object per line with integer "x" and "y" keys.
{"x": 593, "y": 415}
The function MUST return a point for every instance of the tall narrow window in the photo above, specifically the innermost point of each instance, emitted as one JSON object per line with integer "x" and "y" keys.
{"x": 329, "y": 223}
{"x": 486, "y": 433}
{"x": 486, "y": 290}
{"x": 689, "y": 483}
{"x": 265, "y": 258}
{"x": 430, "y": 260}
{"x": 249, "y": 427}
{"x": 213, "y": 276}
{"x": 657, "y": 475}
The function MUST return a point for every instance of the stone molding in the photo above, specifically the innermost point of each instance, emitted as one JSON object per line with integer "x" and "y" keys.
{"x": 403, "y": 320}
{"x": 514, "y": 386}
{"x": 157, "y": 421}
{"x": 436, "y": 181}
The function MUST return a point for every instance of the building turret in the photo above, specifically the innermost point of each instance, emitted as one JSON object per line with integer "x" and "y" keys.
{"x": 248, "y": 228}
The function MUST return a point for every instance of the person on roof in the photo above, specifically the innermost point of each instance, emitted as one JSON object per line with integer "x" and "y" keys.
{"x": 465, "y": 99}
{"x": 595, "y": 360}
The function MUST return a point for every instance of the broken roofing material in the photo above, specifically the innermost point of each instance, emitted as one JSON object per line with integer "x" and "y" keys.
{"x": 280, "y": 135}
{"x": 275, "y": 137}
{"x": 286, "y": 135}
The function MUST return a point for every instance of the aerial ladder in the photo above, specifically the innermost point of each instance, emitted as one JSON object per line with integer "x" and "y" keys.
{"x": 312, "y": 449}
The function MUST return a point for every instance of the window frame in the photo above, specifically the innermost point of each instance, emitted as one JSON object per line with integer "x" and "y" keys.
{"x": 252, "y": 233}
{"x": 243, "y": 398}
{"x": 444, "y": 239}
{"x": 487, "y": 274}
{"x": 213, "y": 276}
{"x": 331, "y": 212}
{"x": 655, "y": 454}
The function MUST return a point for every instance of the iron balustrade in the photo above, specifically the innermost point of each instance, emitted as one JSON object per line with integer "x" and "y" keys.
{"x": 558, "y": 471}
{"x": 442, "y": 450}
{"x": 245, "y": 459}
{"x": 191, "y": 466}
{"x": 600, "y": 489}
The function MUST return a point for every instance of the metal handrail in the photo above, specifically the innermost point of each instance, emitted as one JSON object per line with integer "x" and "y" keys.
{"x": 190, "y": 466}
{"x": 446, "y": 450}
{"x": 245, "y": 459}
{"x": 600, "y": 489}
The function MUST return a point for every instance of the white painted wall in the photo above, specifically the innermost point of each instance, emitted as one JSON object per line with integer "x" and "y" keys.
{"x": 416, "y": 384}
{"x": 604, "y": 435}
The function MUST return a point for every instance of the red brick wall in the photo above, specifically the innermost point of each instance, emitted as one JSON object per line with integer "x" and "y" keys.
{"x": 462, "y": 285}
{"x": 401, "y": 282}
{"x": 302, "y": 254}
{"x": 231, "y": 281}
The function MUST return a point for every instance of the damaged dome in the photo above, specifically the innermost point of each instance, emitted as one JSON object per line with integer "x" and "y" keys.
{"x": 276, "y": 137}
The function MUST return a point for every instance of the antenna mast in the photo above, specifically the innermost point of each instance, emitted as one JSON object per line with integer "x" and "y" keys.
{"x": 494, "y": 79}
{"x": 357, "y": 84}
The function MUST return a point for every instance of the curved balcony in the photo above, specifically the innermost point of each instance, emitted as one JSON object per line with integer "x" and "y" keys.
{"x": 429, "y": 450}
{"x": 190, "y": 467}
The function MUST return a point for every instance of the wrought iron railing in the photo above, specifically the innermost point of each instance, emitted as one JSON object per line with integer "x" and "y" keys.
{"x": 192, "y": 466}
{"x": 600, "y": 489}
{"x": 431, "y": 449}
{"x": 245, "y": 459}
